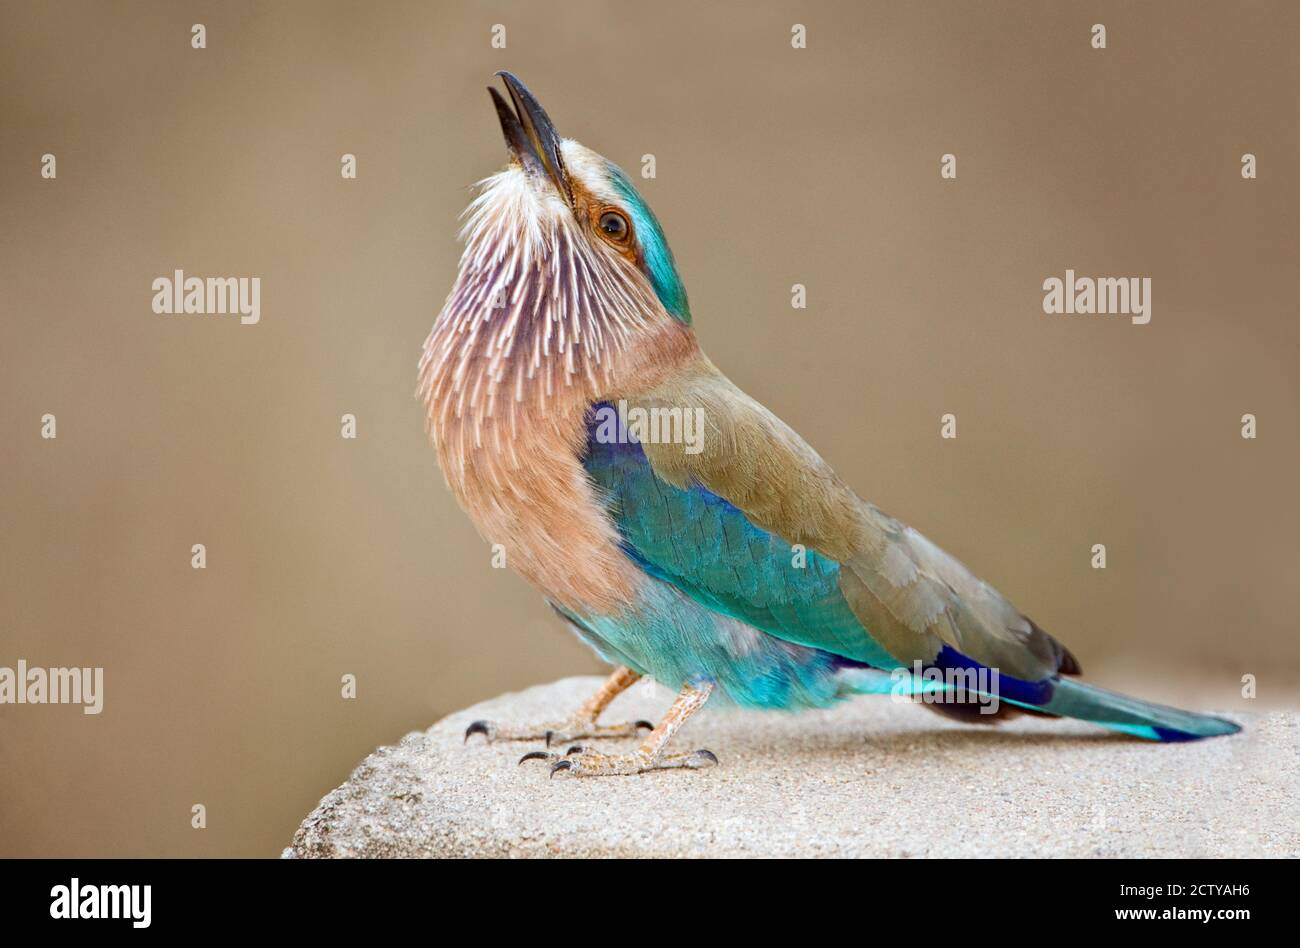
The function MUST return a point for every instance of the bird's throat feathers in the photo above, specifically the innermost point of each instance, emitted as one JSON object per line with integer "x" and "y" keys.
{"x": 541, "y": 308}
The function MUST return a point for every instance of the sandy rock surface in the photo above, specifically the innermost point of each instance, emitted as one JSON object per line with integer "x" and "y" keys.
{"x": 869, "y": 778}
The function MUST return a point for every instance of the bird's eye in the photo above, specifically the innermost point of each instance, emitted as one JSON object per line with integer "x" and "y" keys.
{"x": 614, "y": 226}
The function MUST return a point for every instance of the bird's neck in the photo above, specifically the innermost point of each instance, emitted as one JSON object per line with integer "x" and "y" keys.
{"x": 506, "y": 406}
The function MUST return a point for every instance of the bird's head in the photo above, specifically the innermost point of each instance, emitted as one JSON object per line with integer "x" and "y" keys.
{"x": 561, "y": 235}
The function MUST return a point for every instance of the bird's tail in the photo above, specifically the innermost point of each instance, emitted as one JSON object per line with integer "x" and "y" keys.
{"x": 1069, "y": 699}
{"x": 1155, "y": 722}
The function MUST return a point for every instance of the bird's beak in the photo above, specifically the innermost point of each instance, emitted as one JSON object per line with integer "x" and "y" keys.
{"x": 530, "y": 136}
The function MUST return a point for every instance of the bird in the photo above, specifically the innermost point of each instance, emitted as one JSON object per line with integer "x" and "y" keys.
{"x": 729, "y": 563}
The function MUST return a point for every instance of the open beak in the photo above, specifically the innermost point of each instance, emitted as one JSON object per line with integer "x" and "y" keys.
{"x": 530, "y": 136}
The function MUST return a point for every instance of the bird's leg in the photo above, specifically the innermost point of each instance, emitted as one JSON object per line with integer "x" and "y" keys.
{"x": 582, "y": 724}
{"x": 581, "y": 762}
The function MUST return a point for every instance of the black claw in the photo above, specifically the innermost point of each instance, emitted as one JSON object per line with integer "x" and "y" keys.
{"x": 645, "y": 724}
{"x": 549, "y": 735}
{"x": 534, "y": 755}
{"x": 561, "y": 765}
{"x": 478, "y": 727}
{"x": 707, "y": 753}
{"x": 575, "y": 749}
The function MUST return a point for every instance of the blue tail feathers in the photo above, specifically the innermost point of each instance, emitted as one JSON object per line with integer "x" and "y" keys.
{"x": 1068, "y": 699}
{"x": 1156, "y": 722}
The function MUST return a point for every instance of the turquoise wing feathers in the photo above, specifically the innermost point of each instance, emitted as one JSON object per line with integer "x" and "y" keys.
{"x": 709, "y": 549}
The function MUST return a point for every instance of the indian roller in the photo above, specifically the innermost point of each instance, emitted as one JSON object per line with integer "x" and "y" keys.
{"x": 735, "y": 566}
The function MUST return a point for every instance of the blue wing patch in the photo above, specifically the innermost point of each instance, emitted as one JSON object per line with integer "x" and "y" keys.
{"x": 709, "y": 549}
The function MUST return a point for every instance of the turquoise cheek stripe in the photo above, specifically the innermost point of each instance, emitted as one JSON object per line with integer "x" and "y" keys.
{"x": 659, "y": 265}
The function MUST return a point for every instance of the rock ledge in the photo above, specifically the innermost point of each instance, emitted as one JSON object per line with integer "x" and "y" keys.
{"x": 869, "y": 778}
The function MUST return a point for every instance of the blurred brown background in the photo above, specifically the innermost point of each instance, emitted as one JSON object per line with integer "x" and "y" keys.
{"x": 775, "y": 166}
